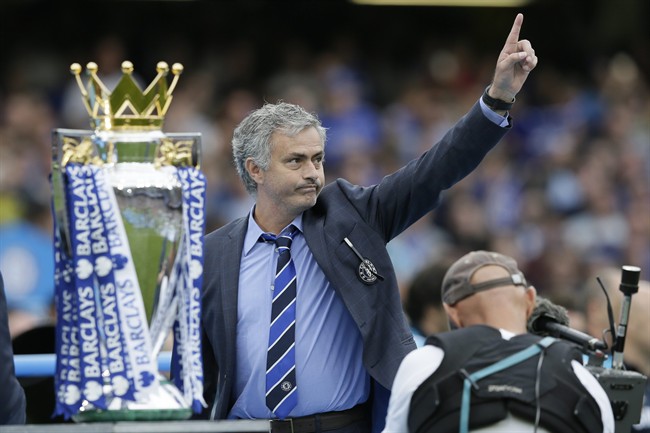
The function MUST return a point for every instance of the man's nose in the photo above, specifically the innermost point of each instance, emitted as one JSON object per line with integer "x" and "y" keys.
{"x": 310, "y": 170}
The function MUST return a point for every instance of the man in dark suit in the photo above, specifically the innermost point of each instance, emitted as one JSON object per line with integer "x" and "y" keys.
{"x": 12, "y": 396}
{"x": 349, "y": 329}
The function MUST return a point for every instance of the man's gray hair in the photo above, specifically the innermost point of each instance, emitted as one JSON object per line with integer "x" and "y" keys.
{"x": 252, "y": 137}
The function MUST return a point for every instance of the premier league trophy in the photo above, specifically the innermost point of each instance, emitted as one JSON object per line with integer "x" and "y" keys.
{"x": 129, "y": 212}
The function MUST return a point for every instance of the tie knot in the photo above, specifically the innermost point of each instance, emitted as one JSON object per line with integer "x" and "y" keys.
{"x": 283, "y": 240}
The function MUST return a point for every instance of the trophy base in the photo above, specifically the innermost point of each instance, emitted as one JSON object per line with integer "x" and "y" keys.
{"x": 165, "y": 405}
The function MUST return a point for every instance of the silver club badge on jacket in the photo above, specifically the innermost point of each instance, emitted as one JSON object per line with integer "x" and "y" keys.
{"x": 366, "y": 272}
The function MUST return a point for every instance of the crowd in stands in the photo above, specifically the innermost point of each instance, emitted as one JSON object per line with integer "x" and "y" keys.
{"x": 567, "y": 192}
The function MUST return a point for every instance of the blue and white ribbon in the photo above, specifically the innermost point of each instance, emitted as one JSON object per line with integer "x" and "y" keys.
{"x": 102, "y": 333}
{"x": 84, "y": 212}
{"x": 67, "y": 377}
{"x": 187, "y": 365}
{"x": 115, "y": 349}
{"x": 132, "y": 318}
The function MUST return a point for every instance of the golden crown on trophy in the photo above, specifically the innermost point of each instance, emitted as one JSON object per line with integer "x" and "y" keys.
{"x": 127, "y": 106}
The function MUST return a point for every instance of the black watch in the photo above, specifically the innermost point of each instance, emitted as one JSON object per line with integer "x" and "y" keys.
{"x": 496, "y": 104}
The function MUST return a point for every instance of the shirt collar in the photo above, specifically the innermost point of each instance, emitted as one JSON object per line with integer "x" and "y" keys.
{"x": 253, "y": 232}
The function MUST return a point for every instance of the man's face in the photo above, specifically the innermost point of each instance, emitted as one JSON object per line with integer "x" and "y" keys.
{"x": 295, "y": 175}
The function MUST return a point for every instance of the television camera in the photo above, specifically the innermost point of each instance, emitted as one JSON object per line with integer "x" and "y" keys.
{"x": 624, "y": 388}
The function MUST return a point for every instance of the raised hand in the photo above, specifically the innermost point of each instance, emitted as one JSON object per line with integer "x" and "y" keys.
{"x": 516, "y": 60}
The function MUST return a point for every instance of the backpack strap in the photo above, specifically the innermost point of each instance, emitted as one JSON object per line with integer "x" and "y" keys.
{"x": 471, "y": 379}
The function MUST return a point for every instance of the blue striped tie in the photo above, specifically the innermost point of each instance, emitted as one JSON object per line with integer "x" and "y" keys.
{"x": 281, "y": 388}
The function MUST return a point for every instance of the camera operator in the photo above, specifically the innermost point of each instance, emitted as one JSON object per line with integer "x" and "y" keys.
{"x": 637, "y": 347}
{"x": 487, "y": 298}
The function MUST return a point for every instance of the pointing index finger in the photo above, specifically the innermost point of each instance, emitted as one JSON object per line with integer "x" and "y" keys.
{"x": 513, "y": 37}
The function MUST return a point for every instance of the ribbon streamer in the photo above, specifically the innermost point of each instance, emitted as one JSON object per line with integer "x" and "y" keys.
{"x": 187, "y": 365}
{"x": 102, "y": 336}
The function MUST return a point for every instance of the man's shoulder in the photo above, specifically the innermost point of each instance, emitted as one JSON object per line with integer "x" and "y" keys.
{"x": 335, "y": 196}
{"x": 478, "y": 332}
{"x": 340, "y": 193}
{"x": 338, "y": 188}
{"x": 228, "y": 230}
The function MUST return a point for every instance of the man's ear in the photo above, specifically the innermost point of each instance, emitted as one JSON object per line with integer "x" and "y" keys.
{"x": 454, "y": 317}
{"x": 254, "y": 170}
{"x": 531, "y": 299}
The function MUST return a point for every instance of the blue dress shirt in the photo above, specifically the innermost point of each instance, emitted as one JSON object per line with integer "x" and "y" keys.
{"x": 329, "y": 370}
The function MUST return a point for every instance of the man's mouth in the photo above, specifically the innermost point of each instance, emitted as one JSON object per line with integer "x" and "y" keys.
{"x": 308, "y": 188}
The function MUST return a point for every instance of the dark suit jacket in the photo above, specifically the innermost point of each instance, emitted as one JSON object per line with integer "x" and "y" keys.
{"x": 12, "y": 396}
{"x": 369, "y": 217}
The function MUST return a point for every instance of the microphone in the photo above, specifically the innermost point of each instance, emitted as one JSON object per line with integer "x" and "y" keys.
{"x": 629, "y": 286}
{"x": 548, "y": 318}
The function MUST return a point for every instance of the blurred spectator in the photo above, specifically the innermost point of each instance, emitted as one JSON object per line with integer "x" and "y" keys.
{"x": 419, "y": 116}
{"x": 463, "y": 216}
{"x": 352, "y": 122}
{"x": 423, "y": 302}
{"x": 298, "y": 88}
{"x": 415, "y": 248}
{"x": 27, "y": 263}
{"x": 26, "y": 257}
{"x": 227, "y": 197}
{"x": 600, "y": 228}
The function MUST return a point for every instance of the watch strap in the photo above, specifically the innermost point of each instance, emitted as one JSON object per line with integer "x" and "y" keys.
{"x": 496, "y": 104}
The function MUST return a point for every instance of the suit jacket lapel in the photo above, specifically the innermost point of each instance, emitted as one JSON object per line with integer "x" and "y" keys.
{"x": 231, "y": 256}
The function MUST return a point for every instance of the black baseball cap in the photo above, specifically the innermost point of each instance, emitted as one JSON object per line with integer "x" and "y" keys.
{"x": 456, "y": 283}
